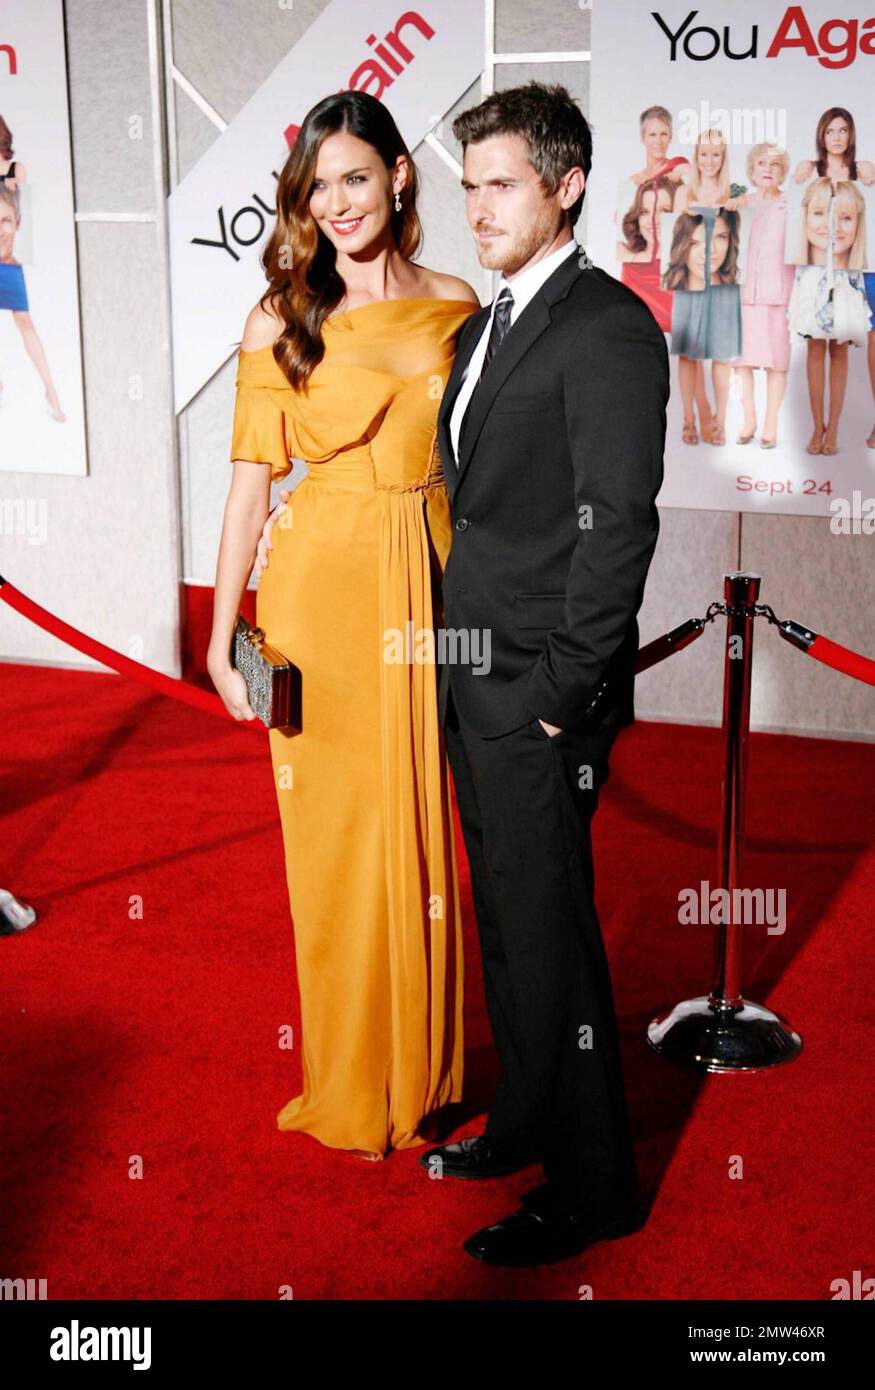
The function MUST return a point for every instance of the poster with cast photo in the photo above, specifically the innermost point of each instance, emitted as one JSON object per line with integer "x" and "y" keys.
{"x": 42, "y": 417}
{"x": 732, "y": 190}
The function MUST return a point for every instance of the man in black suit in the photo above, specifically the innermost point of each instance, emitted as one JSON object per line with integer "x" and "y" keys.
{"x": 551, "y": 434}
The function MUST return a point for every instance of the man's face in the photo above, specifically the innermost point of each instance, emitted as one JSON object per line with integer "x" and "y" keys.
{"x": 512, "y": 216}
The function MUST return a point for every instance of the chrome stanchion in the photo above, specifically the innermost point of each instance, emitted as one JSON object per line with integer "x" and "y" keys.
{"x": 723, "y": 1031}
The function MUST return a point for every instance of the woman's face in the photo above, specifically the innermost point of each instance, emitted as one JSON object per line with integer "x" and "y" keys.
{"x": 847, "y": 220}
{"x": 710, "y": 159}
{"x": 719, "y": 244}
{"x": 656, "y": 137}
{"x": 8, "y": 226}
{"x": 351, "y": 197}
{"x": 766, "y": 171}
{"x": 696, "y": 254}
{"x": 817, "y": 223}
{"x": 836, "y": 136}
{"x": 645, "y": 217}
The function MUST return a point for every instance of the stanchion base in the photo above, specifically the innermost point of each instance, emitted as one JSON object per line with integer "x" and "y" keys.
{"x": 699, "y": 1033}
{"x": 15, "y": 915}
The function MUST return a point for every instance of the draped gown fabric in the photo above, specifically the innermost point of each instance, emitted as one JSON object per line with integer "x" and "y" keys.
{"x": 363, "y": 789}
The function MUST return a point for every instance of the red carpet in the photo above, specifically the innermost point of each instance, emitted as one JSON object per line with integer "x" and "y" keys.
{"x": 154, "y": 1038}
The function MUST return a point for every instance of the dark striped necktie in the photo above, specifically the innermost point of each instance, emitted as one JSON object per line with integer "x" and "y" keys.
{"x": 500, "y": 325}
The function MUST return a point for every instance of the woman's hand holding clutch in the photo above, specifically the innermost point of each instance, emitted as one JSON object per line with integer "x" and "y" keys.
{"x": 231, "y": 686}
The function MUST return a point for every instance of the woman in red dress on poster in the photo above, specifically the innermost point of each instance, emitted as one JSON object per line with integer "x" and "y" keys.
{"x": 638, "y": 246}
{"x": 643, "y": 275}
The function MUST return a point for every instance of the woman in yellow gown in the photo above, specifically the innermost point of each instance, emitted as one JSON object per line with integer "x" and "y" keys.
{"x": 344, "y": 368}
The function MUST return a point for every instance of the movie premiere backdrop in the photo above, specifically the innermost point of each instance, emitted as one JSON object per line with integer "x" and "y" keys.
{"x": 418, "y": 61}
{"x": 42, "y": 418}
{"x": 758, "y": 266}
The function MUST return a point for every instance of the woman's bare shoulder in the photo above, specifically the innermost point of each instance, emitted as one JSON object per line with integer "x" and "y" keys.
{"x": 262, "y": 328}
{"x": 442, "y": 286}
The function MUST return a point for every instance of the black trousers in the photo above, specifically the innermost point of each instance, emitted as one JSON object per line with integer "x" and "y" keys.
{"x": 526, "y": 823}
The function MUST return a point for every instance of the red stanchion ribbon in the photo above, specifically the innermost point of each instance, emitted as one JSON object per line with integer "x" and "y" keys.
{"x": 840, "y": 658}
{"x": 843, "y": 659}
{"x": 850, "y": 663}
{"x": 669, "y": 643}
{"x": 156, "y": 680}
{"x": 658, "y": 650}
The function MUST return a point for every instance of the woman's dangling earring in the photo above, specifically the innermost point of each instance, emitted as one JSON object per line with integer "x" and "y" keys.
{"x": 397, "y": 202}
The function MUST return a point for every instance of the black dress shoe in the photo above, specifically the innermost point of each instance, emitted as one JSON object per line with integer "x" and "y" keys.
{"x": 534, "y": 1238}
{"x": 478, "y": 1157}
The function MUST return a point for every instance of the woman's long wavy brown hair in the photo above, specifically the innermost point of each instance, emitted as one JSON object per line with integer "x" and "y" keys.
{"x": 304, "y": 285}
{"x": 6, "y": 150}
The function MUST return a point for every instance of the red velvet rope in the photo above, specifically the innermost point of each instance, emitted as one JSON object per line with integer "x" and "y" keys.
{"x": 156, "y": 680}
{"x": 668, "y": 644}
{"x": 850, "y": 663}
{"x": 862, "y": 668}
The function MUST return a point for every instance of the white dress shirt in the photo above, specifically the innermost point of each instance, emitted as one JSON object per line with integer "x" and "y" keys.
{"x": 523, "y": 287}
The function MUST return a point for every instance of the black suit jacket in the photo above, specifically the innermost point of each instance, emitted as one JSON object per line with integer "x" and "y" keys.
{"x": 569, "y": 416}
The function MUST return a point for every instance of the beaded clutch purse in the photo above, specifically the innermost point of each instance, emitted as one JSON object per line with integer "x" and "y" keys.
{"x": 267, "y": 673}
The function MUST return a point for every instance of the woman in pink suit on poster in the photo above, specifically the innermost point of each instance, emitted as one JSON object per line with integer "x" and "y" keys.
{"x": 765, "y": 292}
{"x": 836, "y": 159}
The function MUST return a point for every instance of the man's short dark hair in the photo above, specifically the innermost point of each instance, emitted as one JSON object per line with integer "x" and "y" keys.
{"x": 549, "y": 120}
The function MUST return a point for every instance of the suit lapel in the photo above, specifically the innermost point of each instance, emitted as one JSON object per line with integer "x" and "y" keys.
{"x": 520, "y": 338}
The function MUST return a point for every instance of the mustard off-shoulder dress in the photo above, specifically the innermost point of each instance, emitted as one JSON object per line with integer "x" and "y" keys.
{"x": 363, "y": 788}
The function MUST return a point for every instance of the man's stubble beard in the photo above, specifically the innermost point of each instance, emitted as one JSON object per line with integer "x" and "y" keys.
{"x": 522, "y": 250}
